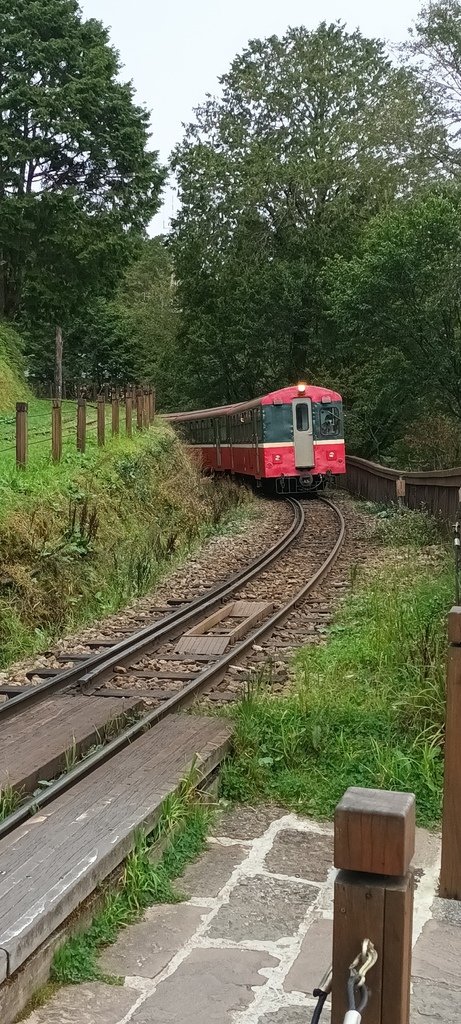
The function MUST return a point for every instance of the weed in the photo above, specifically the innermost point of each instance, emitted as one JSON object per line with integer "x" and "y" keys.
{"x": 9, "y": 800}
{"x": 399, "y": 526}
{"x": 367, "y": 707}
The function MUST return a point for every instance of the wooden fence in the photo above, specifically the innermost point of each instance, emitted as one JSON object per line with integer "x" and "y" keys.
{"x": 437, "y": 490}
{"x": 80, "y": 418}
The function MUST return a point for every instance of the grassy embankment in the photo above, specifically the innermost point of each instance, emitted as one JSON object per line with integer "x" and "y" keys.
{"x": 367, "y": 708}
{"x": 79, "y": 540}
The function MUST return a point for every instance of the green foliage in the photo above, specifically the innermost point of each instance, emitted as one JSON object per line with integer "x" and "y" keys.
{"x": 399, "y": 526}
{"x": 13, "y": 387}
{"x": 132, "y": 336}
{"x": 186, "y": 823}
{"x": 400, "y": 293}
{"x": 313, "y": 134}
{"x": 367, "y": 708}
{"x": 76, "y": 177}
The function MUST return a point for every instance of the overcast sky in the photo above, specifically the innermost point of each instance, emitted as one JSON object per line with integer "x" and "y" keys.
{"x": 174, "y": 50}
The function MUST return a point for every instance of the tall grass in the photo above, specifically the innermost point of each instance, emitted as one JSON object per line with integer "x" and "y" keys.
{"x": 367, "y": 708}
{"x": 79, "y": 541}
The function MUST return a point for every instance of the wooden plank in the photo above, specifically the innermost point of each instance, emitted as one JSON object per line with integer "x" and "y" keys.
{"x": 154, "y": 694}
{"x": 375, "y": 831}
{"x": 398, "y": 918}
{"x": 245, "y": 626}
{"x": 359, "y": 915}
{"x": 212, "y": 620}
{"x": 34, "y": 743}
{"x": 59, "y": 857}
{"x": 450, "y": 872}
{"x": 202, "y": 645}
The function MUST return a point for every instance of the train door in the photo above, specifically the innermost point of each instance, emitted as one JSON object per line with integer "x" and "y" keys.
{"x": 303, "y": 437}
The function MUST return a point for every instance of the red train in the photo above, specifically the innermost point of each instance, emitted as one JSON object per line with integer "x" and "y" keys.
{"x": 292, "y": 439}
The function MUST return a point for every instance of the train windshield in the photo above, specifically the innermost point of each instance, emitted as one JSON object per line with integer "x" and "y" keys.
{"x": 330, "y": 421}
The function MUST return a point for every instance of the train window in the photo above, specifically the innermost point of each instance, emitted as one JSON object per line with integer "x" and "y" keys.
{"x": 330, "y": 421}
{"x": 302, "y": 416}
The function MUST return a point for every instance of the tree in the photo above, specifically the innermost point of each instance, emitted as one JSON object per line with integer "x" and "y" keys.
{"x": 401, "y": 293}
{"x": 436, "y": 43}
{"x": 132, "y": 336}
{"x": 312, "y": 134}
{"x": 76, "y": 176}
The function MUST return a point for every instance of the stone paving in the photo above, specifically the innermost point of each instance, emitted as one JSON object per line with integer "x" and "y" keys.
{"x": 253, "y": 937}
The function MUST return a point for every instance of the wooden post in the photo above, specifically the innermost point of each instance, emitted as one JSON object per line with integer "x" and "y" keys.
{"x": 115, "y": 414}
{"x": 22, "y": 409}
{"x": 400, "y": 489}
{"x": 139, "y": 408}
{"x": 450, "y": 873}
{"x": 374, "y": 836}
{"x": 58, "y": 364}
{"x": 128, "y": 412}
{"x": 101, "y": 420}
{"x": 81, "y": 425}
{"x": 146, "y": 408}
{"x": 56, "y": 430}
{"x": 151, "y": 405}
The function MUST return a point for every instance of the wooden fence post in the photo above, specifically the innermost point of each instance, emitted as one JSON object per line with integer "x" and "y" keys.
{"x": 400, "y": 489}
{"x": 56, "y": 430}
{"x": 115, "y": 414}
{"x": 374, "y": 835}
{"x": 151, "y": 405}
{"x": 128, "y": 411}
{"x": 139, "y": 409}
{"x": 101, "y": 420}
{"x": 22, "y": 409}
{"x": 450, "y": 872}
{"x": 81, "y": 424}
{"x": 145, "y": 408}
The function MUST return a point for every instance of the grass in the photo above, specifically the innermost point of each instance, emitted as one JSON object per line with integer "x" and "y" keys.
{"x": 399, "y": 526}
{"x": 10, "y": 799}
{"x": 80, "y": 540}
{"x": 367, "y": 708}
{"x": 186, "y": 821}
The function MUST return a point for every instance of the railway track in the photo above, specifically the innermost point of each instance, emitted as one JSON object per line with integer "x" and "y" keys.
{"x": 199, "y": 641}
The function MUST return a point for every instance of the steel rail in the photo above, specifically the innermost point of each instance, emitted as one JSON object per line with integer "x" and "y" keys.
{"x": 100, "y": 665}
{"x": 183, "y": 699}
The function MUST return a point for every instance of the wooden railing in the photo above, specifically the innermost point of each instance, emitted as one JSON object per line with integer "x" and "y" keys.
{"x": 436, "y": 490}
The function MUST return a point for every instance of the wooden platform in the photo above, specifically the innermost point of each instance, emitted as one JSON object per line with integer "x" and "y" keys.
{"x": 55, "y": 860}
{"x": 34, "y": 744}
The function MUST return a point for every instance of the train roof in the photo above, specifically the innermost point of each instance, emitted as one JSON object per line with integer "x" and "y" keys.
{"x": 283, "y": 395}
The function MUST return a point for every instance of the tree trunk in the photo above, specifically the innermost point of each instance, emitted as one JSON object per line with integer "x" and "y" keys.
{"x": 58, "y": 364}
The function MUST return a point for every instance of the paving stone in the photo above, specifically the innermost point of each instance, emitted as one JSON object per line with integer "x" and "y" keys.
{"x": 313, "y": 960}
{"x": 106, "y": 1004}
{"x": 447, "y": 910}
{"x": 288, "y": 1015}
{"x": 437, "y": 954}
{"x": 146, "y": 948}
{"x": 247, "y": 822}
{"x": 301, "y": 854}
{"x": 263, "y": 908}
{"x": 433, "y": 1003}
{"x": 207, "y": 988}
{"x": 208, "y": 875}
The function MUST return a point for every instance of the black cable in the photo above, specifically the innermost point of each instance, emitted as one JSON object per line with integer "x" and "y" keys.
{"x": 321, "y": 999}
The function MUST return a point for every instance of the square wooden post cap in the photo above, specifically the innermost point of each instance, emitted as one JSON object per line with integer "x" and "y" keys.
{"x": 375, "y": 832}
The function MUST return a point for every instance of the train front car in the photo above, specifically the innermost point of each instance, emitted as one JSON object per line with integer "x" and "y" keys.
{"x": 303, "y": 438}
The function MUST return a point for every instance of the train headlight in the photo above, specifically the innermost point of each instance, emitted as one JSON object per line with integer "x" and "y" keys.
{"x": 301, "y": 388}
{"x": 331, "y": 455}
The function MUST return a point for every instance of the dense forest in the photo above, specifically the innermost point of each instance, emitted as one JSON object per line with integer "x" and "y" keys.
{"x": 318, "y": 234}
